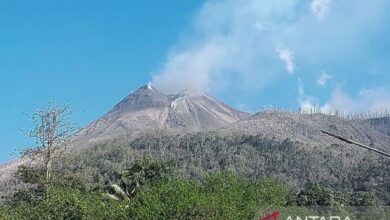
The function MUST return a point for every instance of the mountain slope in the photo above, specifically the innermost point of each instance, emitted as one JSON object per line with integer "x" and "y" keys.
{"x": 190, "y": 111}
{"x": 306, "y": 128}
{"x": 382, "y": 124}
{"x": 147, "y": 108}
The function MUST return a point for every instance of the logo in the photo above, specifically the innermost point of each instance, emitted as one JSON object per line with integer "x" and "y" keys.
{"x": 274, "y": 216}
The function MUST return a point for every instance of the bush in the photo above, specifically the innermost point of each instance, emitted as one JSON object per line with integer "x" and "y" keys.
{"x": 66, "y": 203}
{"x": 219, "y": 196}
{"x": 317, "y": 194}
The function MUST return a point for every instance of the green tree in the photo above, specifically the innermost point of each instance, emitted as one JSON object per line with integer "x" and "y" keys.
{"x": 317, "y": 194}
{"x": 140, "y": 174}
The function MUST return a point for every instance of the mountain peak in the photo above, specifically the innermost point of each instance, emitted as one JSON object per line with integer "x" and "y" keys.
{"x": 146, "y": 88}
{"x": 144, "y": 97}
{"x": 189, "y": 92}
{"x": 150, "y": 86}
{"x": 147, "y": 108}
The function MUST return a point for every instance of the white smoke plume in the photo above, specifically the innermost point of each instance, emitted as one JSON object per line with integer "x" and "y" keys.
{"x": 237, "y": 44}
{"x": 232, "y": 42}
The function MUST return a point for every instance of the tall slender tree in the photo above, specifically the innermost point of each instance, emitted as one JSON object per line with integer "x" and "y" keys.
{"x": 52, "y": 130}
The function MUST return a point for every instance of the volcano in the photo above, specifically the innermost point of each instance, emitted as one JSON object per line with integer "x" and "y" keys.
{"x": 147, "y": 108}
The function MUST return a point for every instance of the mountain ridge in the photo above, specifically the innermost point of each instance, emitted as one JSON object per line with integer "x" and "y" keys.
{"x": 306, "y": 128}
{"x": 192, "y": 111}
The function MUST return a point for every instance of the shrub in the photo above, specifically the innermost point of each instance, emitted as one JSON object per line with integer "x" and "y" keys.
{"x": 66, "y": 203}
{"x": 219, "y": 196}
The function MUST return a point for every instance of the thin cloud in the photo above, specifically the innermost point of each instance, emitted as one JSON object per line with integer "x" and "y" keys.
{"x": 287, "y": 56}
{"x": 373, "y": 99}
{"x": 320, "y": 8}
{"x": 324, "y": 78}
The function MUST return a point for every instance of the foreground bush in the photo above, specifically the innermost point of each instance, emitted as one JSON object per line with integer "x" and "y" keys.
{"x": 66, "y": 203}
{"x": 219, "y": 196}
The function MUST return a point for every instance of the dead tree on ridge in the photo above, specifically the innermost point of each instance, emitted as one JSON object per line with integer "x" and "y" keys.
{"x": 355, "y": 143}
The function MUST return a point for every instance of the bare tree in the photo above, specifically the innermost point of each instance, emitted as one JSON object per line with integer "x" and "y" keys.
{"x": 52, "y": 129}
{"x": 355, "y": 143}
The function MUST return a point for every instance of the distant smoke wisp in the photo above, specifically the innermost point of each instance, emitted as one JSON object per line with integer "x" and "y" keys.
{"x": 320, "y": 7}
{"x": 306, "y": 102}
{"x": 373, "y": 100}
{"x": 324, "y": 78}
{"x": 287, "y": 56}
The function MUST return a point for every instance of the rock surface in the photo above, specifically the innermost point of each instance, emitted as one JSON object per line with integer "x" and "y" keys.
{"x": 147, "y": 108}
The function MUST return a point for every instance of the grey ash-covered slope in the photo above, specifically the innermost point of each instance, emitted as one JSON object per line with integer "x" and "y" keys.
{"x": 382, "y": 124}
{"x": 306, "y": 128}
{"x": 189, "y": 111}
{"x": 147, "y": 108}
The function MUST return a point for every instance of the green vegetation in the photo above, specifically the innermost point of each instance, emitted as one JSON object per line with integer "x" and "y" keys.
{"x": 220, "y": 196}
{"x": 66, "y": 203}
{"x": 159, "y": 195}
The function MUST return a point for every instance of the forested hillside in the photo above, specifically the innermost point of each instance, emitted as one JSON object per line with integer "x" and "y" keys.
{"x": 253, "y": 156}
{"x": 332, "y": 175}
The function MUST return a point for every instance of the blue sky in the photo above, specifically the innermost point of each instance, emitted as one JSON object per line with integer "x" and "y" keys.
{"x": 90, "y": 53}
{"x": 333, "y": 54}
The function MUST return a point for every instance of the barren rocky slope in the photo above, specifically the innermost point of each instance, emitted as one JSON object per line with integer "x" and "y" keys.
{"x": 306, "y": 128}
{"x": 147, "y": 108}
